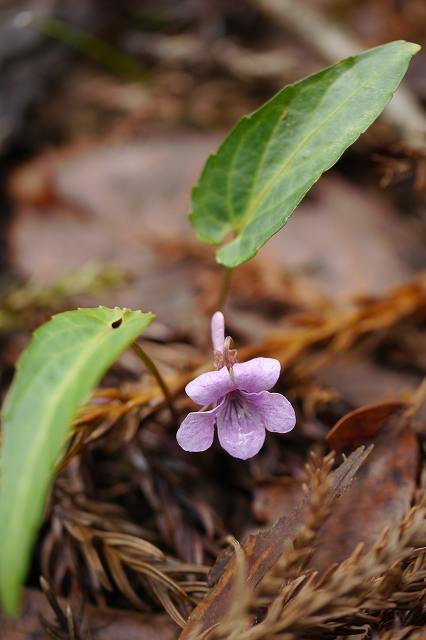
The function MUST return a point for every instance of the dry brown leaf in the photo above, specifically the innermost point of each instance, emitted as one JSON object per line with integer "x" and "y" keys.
{"x": 382, "y": 492}
{"x": 261, "y": 552}
{"x": 274, "y": 497}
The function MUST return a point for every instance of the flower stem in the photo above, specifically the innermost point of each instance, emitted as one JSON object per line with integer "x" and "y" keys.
{"x": 224, "y": 290}
{"x": 137, "y": 349}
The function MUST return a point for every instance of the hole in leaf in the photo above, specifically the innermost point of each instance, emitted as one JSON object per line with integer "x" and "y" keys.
{"x": 116, "y": 323}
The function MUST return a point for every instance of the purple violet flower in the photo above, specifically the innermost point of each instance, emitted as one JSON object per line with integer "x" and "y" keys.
{"x": 243, "y": 409}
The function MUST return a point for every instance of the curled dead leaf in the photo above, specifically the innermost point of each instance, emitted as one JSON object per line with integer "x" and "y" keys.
{"x": 383, "y": 490}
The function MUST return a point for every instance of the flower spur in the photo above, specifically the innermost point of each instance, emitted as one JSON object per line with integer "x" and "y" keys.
{"x": 244, "y": 407}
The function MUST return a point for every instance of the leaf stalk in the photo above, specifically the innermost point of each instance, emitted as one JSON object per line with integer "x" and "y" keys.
{"x": 225, "y": 287}
{"x": 152, "y": 368}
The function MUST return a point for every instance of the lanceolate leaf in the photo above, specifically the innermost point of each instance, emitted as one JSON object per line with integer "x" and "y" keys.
{"x": 269, "y": 161}
{"x": 65, "y": 359}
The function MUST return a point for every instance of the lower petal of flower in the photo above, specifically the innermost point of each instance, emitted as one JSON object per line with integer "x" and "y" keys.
{"x": 197, "y": 430}
{"x": 239, "y": 427}
{"x": 277, "y": 414}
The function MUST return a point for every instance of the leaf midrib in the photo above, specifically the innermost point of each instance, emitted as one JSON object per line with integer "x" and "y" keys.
{"x": 249, "y": 215}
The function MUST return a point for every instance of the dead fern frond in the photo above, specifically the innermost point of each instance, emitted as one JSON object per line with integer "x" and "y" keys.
{"x": 237, "y": 619}
{"x": 402, "y": 633}
{"x": 306, "y": 346}
{"x": 110, "y": 553}
{"x": 298, "y": 551}
{"x": 362, "y": 594}
{"x": 353, "y": 590}
{"x": 67, "y": 624}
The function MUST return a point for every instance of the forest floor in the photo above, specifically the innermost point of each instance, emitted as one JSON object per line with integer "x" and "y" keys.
{"x": 97, "y": 176}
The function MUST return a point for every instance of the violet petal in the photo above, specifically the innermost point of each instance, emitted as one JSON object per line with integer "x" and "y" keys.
{"x": 218, "y": 331}
{"x": 277, "y": 413}
{"x": 210, "y": 387}
{"x": 239, "y": 427}
{"x": 196, "y": 432}
{"x": 258, "y": 374}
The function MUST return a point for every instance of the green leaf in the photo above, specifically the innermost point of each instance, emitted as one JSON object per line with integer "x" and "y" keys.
{"x": 64, "y": 361}
{"x": 271, "y": 159}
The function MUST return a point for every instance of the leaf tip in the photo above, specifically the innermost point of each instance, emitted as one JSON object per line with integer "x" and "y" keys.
{"x": 411, "y": 47}
{"x": 414, "y": 47}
